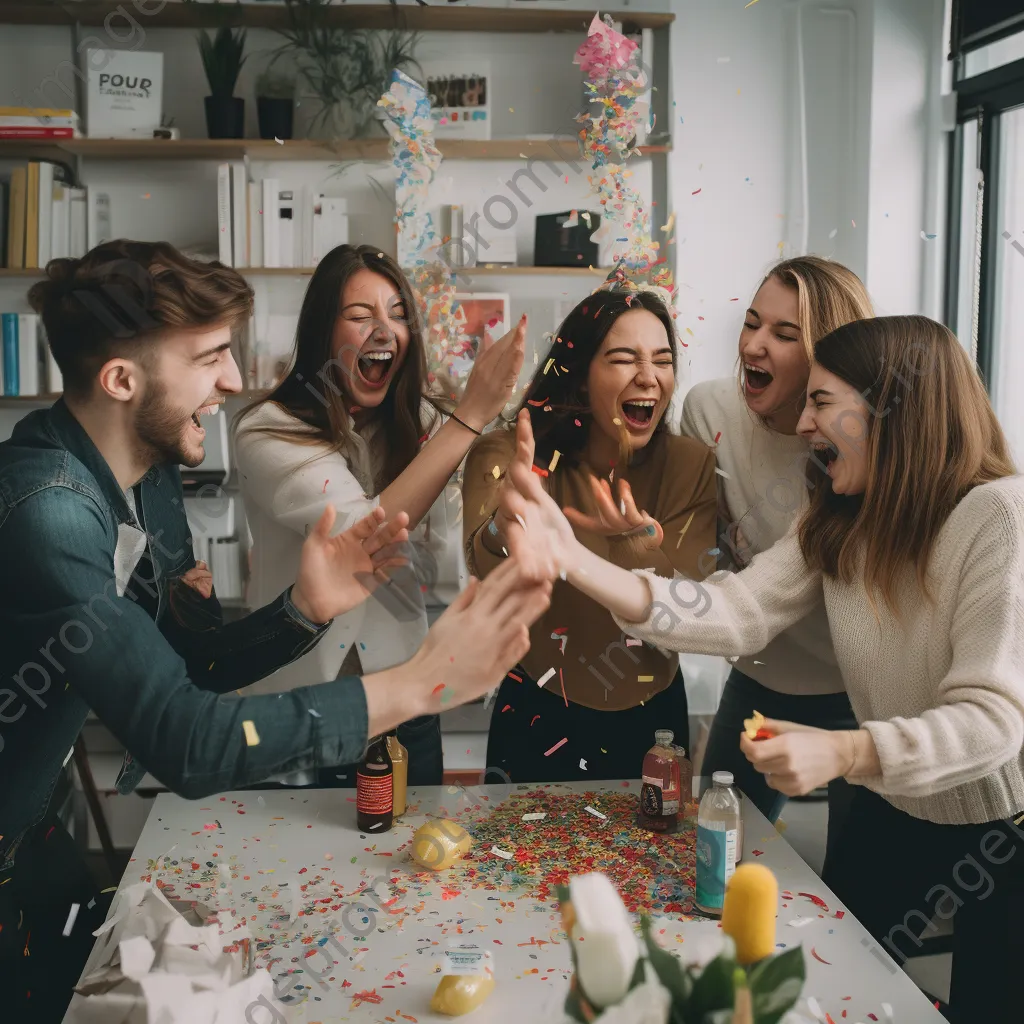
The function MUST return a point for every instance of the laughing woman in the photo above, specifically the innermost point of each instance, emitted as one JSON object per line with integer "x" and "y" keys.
{"x": 752, "y": 424}
{"x": 915, "y": 537}
{"x": 598, "y": 405}
{"x": 350, "y": 426}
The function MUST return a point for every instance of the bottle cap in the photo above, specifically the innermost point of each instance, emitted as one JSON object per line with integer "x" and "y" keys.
{"x": 722, "y": 778}
{"x": 663, "y": 737}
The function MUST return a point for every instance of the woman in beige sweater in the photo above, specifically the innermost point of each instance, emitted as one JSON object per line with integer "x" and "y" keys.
{"x": 915, "y": 539}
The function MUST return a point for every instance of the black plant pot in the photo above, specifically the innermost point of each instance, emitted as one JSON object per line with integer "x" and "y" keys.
{"x": 225, "y": 117}
{"x": 275, "y": 117}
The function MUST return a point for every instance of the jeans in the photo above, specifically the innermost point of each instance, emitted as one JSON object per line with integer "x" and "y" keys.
{"x": 741, "y": 697}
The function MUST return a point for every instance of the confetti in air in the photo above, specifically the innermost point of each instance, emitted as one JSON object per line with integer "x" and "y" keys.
{"x": 71, "y": 920}
{"x": 252, "y": 737}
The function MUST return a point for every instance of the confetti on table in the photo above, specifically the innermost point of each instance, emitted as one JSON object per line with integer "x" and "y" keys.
{"x": 800, "y": 922}
{"x": 252, "y": 737}
{"x": 560, "y": 743}
{"x": 535, "y": 816}
{"x": 757, "y": 853}
{"x": 505, "y": 855}
{"x": 544, "y": 678}
{"x": 70, "y": 923}
{"x": 814, "y": 953}
{"x": 595, "y": 813}
{"x": 816, "y": 900}
{"x": 280, "y": 142}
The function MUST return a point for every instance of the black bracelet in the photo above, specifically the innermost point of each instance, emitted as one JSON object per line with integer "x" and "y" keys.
{"x": 466, "y": 425}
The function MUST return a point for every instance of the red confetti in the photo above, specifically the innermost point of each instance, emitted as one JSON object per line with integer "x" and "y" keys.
{"x": 828, "y": 1018}
{"x": 757, "y": 853}
{"x": 539, "y": 471}
{"x": 534, "y": 401}
{"x": 534, "y": 719}
{"x": 505, "y": 708}
{"x": 437, "y": 689}
{"x": 839, "y": 915}
{"x": 814, "y": 953}
{"x": 560, "y": 743}
{"x": 697, "y": 193}
{"x": 326, "y": 482}
{"x": 717, "y": 436}
{"x": 872, "y": 1016}
{"x": 816, "y": 900}
{"x": 577, "y": 422}
{"x": 512, "y": 675}
{"x": 562, "y": 681}
{"x": 424, "y": 438}
{"x": 373, "y": 996}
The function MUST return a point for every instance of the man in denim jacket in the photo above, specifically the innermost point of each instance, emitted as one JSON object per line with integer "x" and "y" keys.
{"x": 103, "y": 607}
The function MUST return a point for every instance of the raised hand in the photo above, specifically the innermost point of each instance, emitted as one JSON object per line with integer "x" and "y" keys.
{"x": 338, "y": 573}
{"x": 200, "y": 579}
{"x": 493, "y": 377}
{"x": 619, "y": 519}
{"x": 800, "y": 758}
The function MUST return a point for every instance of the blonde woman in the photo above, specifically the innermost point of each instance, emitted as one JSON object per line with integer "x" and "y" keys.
{"x": 752, "y": 424}
{"x": 914, "y": 537}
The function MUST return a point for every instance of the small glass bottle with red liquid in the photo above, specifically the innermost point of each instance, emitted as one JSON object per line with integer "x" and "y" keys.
{"x": 685, "y": 778}
{"x": 659, "y": 788}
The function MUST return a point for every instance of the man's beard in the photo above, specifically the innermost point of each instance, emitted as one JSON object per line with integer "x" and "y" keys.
{"x": 161, "y": 427}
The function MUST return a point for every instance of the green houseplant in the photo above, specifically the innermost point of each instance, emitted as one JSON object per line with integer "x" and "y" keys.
{"x": 223, "y": 57}
{"x": 275, "y": 104}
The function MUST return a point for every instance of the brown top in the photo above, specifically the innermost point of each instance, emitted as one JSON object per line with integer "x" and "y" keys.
{"x": 673, "y": 479}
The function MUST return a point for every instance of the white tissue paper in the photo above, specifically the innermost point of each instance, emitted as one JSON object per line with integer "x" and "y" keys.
{"x": 648, "y": 1003}
{"x": 158, "y": 962}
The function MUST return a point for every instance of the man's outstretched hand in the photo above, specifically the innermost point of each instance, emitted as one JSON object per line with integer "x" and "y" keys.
{"x": 336, "y": 574}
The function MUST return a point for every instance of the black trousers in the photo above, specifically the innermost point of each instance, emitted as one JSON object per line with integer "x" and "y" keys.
{"x": 420, "y": 736}
{"x": 895, "y": 872}
{"x": 39, "y": 966}
{"x": 739, "y": 699}
{"x": 600, "y": 744}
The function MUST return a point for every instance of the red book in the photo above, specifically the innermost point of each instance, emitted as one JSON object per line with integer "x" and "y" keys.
{"x": 13, "y": 132}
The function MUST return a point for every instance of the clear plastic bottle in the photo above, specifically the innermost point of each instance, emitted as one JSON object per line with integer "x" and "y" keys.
{"x": 718, "y": 833}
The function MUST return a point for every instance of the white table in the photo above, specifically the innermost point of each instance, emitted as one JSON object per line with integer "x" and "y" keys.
{"x": 278, "y": 841}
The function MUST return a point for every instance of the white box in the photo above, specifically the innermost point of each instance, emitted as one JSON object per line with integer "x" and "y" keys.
{"x": 125, "y": 93}
{"x": 460, "y": 97}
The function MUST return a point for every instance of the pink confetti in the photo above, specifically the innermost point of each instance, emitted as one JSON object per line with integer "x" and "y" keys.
{"x": 326, "y": 482}
{"x": 560, "y": 743}
{"x": 534, "y": 719}
{"x": 814, "y": 953}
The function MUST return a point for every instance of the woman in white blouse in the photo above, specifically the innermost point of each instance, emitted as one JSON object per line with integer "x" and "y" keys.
{"x": 914, "y": 538}
{"x": 350, "y": 425}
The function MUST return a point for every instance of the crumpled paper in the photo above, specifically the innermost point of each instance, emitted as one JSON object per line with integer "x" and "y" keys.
{"x": 163, "y": 963}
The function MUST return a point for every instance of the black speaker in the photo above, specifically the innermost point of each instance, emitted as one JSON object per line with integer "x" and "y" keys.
{"x": 558, "y": 244}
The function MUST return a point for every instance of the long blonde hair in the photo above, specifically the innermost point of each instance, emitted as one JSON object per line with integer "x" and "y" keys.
{"x": 931, "y": 437}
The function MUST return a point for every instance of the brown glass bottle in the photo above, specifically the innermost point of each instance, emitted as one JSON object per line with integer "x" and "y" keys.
{"x": 375, "y": 789}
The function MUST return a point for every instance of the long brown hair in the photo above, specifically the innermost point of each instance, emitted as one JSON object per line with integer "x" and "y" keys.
{"x": 557, "y": 399}
{"x": 931, "y": 438}
{"x": 313, "y": 391}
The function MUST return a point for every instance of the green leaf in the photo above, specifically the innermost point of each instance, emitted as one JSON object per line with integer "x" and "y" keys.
{"x": 776, "y": 983}
{"x": 714, "y": 990}
{"x": 668, "y": 968}
{"x": 574, "y": 1007}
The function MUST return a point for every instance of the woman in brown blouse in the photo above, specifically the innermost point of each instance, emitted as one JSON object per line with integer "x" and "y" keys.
{"x": 635, "y": 494}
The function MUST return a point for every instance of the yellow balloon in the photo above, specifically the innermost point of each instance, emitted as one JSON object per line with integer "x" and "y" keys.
{"x": 748, "y": 914}
{"x": 459, "y": 994}
{"x": 439, "y": 844}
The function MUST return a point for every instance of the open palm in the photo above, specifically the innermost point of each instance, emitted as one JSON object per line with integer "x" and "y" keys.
{"x": 336, "y": 574}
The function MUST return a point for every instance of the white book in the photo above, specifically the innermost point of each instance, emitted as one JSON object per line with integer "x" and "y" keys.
{"x": 271, "y": 235}
{"x": 45, "y": 212}
{"x": 286, "y": 228}
{"x": 124, "y": 93}
{"x": 60, "y": 224}
{"x": 304, "y": 225}
{"x": 28, "y": 353}
{"x": 100, "y": 218}
{"x": 78, "y": 222}
{"x": 255, "y": 190}
{"x": 239, "y": 215}
{"x": 330, "y": 226}
{"x": 224, "y": 213}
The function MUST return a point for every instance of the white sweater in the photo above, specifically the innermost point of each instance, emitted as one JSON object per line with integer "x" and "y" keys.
{"x": 286, "y": 487}
{"x": 764, "y": 491}
{"x": 942, "y": 692}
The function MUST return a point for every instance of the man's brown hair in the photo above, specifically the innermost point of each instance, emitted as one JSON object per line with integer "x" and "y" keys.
{"x": 121, "y": 296}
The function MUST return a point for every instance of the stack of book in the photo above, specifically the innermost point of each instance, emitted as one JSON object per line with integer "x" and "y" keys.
{"x": 42, "y": 216}
{"x": 38, "y": 123}
{"x": 27, "y": 366}
{"x": 259, "y": 224}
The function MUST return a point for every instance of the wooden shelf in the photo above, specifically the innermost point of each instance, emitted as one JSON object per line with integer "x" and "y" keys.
{"x": 335, "y": 150}
{"x": 21, "y": 272}
{"x": 486, "y": 269}
{"x": 28, "y": 399}
{"x": 406, "y": 15}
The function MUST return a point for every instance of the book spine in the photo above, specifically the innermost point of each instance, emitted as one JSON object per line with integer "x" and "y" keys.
{"x": 9, "y": 326}
{"x": 28, "y": 353}
{"x": 78, "y": 221}
{"x": 271, "y": 235}
{"x": 38, "y": 112}
{"x": 16, "y": 218}
{"x": 59, "y": 225}
{"x": 239, "y": 211}
{"x": 32, "y": 217}
{"x": 255, "y": 224}
{"x": 16, "y": 132}
{"x": 224, "y": 213}
{"x": 45, "y": 212}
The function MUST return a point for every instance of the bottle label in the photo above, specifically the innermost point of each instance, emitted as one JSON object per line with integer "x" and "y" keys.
{"x": 374, "y": 795}
{"x": 466, "y": 960}
{"x": 650, "y": 798}
{"x": 716, "y": 862}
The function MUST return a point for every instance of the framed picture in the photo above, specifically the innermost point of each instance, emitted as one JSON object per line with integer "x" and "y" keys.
{"x": 460, "y": 102}
{"x": 480, "y": 313}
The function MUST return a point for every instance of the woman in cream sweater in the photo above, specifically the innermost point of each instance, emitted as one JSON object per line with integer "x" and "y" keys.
{"x": 350, "y": 426}
{"x": 915, "y": 538}
{"x": 751, "y": 424}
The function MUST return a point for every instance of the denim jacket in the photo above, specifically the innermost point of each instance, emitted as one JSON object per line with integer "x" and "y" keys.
{"x": 157, "y": 665}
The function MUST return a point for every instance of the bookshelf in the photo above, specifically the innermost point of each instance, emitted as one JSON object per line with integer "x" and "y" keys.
{"x": 485, "y": 270}
{"x": 176, "y": 14}
{"x": 335, "y": 150}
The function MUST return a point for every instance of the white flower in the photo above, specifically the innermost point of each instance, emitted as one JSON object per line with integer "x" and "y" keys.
{"x": 603, "y": 939}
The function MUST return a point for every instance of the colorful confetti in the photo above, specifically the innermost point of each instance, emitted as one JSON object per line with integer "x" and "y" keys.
{"x": 252, "y": 737}
{"x": 560, "y": 743}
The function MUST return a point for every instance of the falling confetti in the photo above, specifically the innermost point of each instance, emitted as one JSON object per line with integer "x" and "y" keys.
{"x": 583, "y": 764}
{"x": 70, "y": 923}
{"x": 252, "y": 737}
{"x": 544, "y": 678}
{"x": 560, "y": 743}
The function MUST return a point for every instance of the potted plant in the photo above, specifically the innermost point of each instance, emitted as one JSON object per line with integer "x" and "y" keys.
{"x": 222, "y": 61}
{"x": 275, "y": 104}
